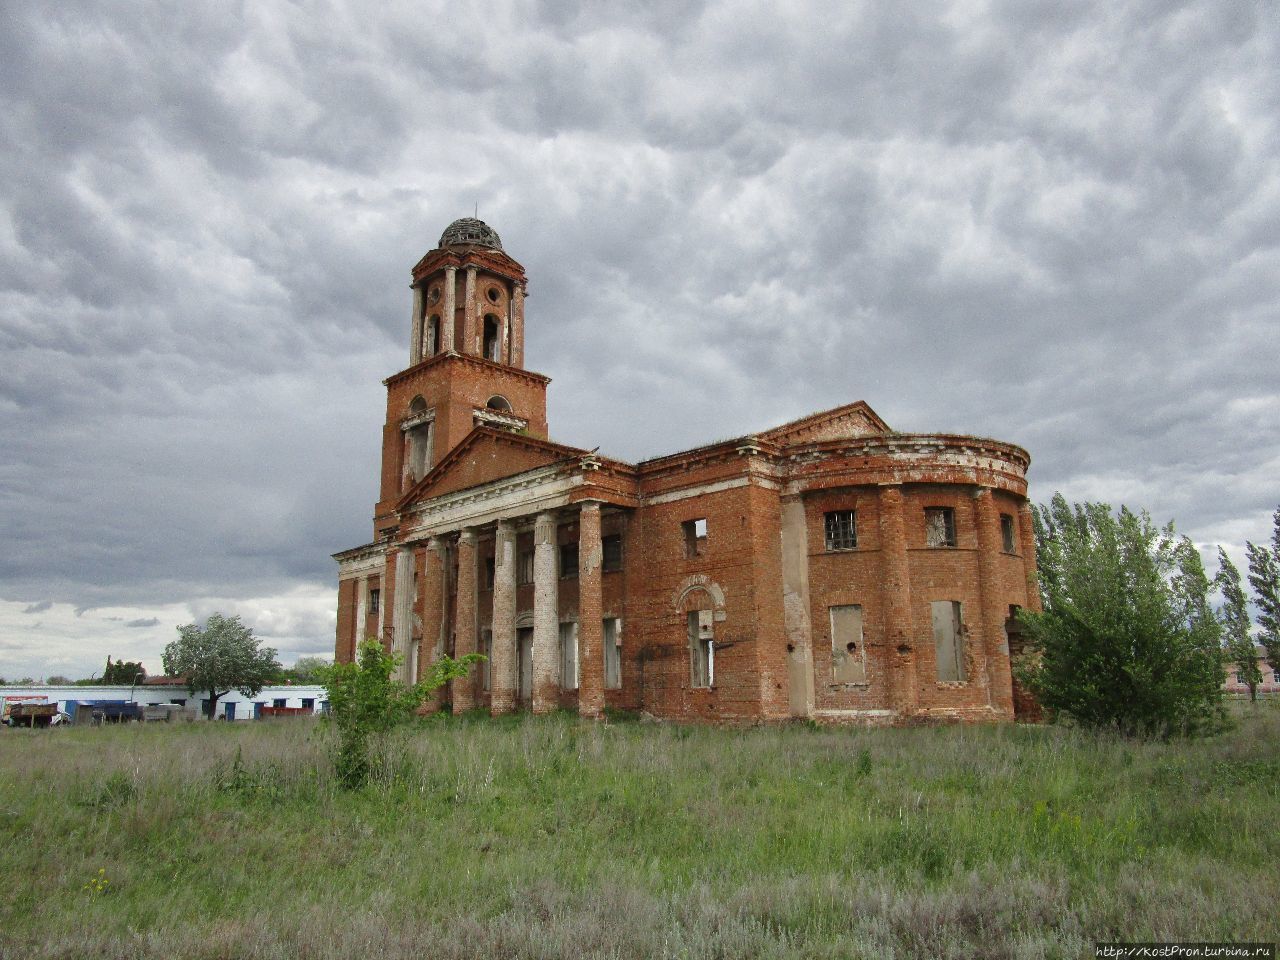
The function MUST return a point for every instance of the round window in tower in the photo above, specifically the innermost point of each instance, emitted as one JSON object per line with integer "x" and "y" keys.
{"x": 494, "y": 294}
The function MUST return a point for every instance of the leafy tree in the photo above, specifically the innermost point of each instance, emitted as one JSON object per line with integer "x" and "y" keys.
{"x": 306, "y": 670}
{"x": 122, "y": 672}
{"x": 58, "y": 680}
{"x": 1264, "y": 577}
{"x": 1237, "y": 632}
{"x": 365, "y": 703}
{"x": 1127, "y": 639}
{"x": 222, "y": 656}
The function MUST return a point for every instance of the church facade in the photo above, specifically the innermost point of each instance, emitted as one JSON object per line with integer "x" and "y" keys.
{"x": 829, "y": 568}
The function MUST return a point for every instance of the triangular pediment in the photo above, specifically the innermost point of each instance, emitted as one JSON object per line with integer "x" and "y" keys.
{"x": 485, "y": 455}
{"x": 842, "y": 423}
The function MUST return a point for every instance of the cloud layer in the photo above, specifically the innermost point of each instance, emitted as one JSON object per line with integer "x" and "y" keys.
{"x": 1054, "y": 224}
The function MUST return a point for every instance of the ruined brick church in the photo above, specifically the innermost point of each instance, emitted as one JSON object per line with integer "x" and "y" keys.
{"x": 828, "y": 568}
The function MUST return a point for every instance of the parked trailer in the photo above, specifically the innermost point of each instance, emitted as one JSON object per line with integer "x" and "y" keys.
{"x": 32, "y": 714}
{"x": 9, "y": 702}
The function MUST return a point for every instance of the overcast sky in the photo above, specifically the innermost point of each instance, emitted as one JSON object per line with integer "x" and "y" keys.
{"x": 1056, "y": 224}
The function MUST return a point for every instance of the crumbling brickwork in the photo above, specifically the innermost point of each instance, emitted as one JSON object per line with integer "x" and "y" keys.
{"x": 829, "y": 568}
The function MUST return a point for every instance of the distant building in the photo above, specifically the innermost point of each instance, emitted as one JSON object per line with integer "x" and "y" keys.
{"x": 231, "y": 706}
{"x": 1236, "y": 687}
{"x": 828, "y": 568}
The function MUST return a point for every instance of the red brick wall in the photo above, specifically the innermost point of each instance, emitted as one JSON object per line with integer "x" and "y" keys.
{"x": 344, "y": 640}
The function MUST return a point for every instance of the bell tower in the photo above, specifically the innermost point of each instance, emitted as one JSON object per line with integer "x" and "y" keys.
{"x": 466, "y": 359}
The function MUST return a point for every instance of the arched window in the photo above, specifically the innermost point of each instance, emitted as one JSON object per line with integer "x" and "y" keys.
{"x": 492, "y": 337}
{"x": 498, "y": 402}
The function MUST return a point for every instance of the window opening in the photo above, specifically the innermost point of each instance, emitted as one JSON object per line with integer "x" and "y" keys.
{"x": 702, "y": 670}
{"x": 695, "y": 537}
{"x": 524, "y": 568}
{"x": 569, "y": 656}
{"x": 841, "y": 529}
{"x": 612, "y": 549}
{"x": 568, "y": 561}
{"x": 375, "y": 597}
{"x": 1006, "y": 532}
{"x": 431, "y": 342}
{"x": 612, "y": 653}
{"x": 488, "y": 573}
{"x": 940, "y": 526}
{"x": 848, "y": 657}
{"x": 492, "y": 334}
{"x": 948, "y": 640}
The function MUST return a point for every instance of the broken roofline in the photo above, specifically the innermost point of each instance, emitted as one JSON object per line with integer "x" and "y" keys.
{"x": 756, "y": 444}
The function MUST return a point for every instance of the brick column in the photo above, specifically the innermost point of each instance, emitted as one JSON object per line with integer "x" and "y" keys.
{"x": 506, "y": 662}
{"x": 469, "y": 315}
{"x": 590, "y": 608}
{"x": 546, "y": 618}
{"x": 517, "y": 325}
{"x": 449, "y": 317}
{"x": 463, "y": 689}
{"x": 402, "y": 615}
{"x": 416, "y": 324}
{"x": 432, "y": 613}
{"x": 1027, "y": 540}
{"x": 995, "y": 646}
{"x": 896, "y": 587}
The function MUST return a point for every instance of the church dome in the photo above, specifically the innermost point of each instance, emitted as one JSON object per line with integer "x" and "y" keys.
{"x": 471, "y": 230}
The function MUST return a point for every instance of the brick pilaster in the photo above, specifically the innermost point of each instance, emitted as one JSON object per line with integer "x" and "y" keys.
{"x": 897, "y": 601}
{"x": 995, "y": 647}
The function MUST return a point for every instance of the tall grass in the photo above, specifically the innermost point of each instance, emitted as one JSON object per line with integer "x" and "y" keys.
{"x": 549, "y": 837}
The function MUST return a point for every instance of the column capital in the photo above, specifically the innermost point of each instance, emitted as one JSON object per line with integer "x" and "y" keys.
{"x": 467, "y": 535}
{"x": 544, "y": 527}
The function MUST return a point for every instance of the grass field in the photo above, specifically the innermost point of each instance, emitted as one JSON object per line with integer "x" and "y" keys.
{"x": 551, "y": 838}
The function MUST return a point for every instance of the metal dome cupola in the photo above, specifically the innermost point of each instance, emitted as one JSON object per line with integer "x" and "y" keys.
{"x": 469, "y": 230}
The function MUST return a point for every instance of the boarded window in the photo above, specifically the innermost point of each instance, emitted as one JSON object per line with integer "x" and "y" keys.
{"x": 1006, "y": 532}
{"x": 612, "y": 547}
{"x": 702, "y": 666}
{"x": 939, "y": 527}
{"x": 841, "y": 529}
{"x": 419, "y": 451}
{"x": 948, "y": 639}
{"x": 695, "y": 537}
{"x": 612, "y": 653}
{"x": 569, "y": 656}
{"x": 486, "y": 647}
{"x": 848, "y": 660}
{"x": 524, "y": 568}
{"x": 568, "y": 561}
{"x": 375, "y": 597}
